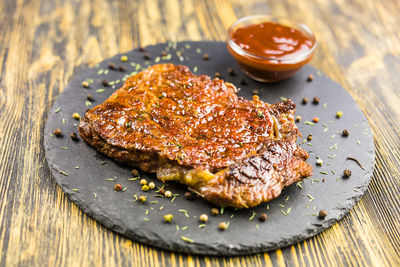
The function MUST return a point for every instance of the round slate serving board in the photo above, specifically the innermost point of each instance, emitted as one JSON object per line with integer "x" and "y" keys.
{"x": 88, "y": 178}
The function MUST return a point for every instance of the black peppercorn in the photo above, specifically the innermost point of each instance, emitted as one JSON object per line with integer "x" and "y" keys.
{"x": 263, "y": 217}
{"x": 74, "y": 137}
{"x": 346, "y": 173}
{"x": 57, "y": 132}
{"x": 322, "y": 214}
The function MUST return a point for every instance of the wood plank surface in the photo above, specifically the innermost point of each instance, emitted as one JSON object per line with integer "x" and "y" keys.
{"x": 41, "y": 44}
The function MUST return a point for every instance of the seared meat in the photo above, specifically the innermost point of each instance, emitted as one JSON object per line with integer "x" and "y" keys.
{"x": 197, "y": 131}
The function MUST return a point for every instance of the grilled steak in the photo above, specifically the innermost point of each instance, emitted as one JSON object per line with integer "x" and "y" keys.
{"x": 197, "y": 131}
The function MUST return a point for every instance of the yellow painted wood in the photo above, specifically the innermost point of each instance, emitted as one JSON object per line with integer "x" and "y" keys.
{"x": 41, "y": 43}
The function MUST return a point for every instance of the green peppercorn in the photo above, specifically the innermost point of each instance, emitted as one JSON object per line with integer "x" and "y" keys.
{"x": 124, "y": 58}
{"x": 168, "y": 218}
{"x": 143, "y": 181}
{"x": 142, "y": 199}
{"x": 339, "y": 114}
{"x": 168, "y": 194}
{"x": 145, "y": 187}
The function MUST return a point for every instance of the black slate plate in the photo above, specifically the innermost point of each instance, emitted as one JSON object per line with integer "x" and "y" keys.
{"x": 291, "y": 217}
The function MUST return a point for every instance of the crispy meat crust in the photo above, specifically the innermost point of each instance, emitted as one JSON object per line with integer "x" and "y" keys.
{"x": 169, "y": 121}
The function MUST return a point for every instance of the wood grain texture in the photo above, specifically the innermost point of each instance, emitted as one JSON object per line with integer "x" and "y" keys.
{"x": 42, "y": 43}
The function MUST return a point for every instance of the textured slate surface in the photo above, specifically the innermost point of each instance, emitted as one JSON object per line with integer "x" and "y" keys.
{"x": 90, "y": 187}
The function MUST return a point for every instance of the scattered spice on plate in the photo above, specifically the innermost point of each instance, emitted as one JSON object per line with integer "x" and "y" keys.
{"x": 141, "y": 49}
{"x": 222, "y": 226}
{"x": 263, "y": 217}
{"x": 309, "y": 137}
{"x": 105, "y": 83}
{"x": 243, "y": 82}
{"x": 168, "y": 194}
{"x": 117, "y": 187}
{"x": 316, "y": 100}
{"x": 121, "y": 69}
{"x": 57, "y": 132}
{"x": 142, "y": 199}
{"x": 214, "y": 211}
{"x": 231, "y": 72}
{"x": 319, "y": 161}
{"x": 356, "y": 161}
{"x": 145, "y": 188}
{"x": 203, "y": 218}
{"x": 298, "y": 118}
{"x": 315, "y": 119}
{"x": 76, "y": 116}
{"x": 187, "y": 239}
{"x": 217, "y": 75}
{"x": 310, "y": 78}
{"x": 304, "y": 101}
{"x": 74, "y": 137}
{"x": 134, "y": 173}
{"x": 164, "y": 53}
{"x": 346, "y": 173}
{"x": 152, "y": 185}
{"x": 322, "y": 214}
{"x": 111, "y": 66}
{"x": 85, "y": 84}
{"x": 188, "y": 195}
{"x": 90, "y": 97}
{"x": 206, "y": 57}
{"x": 252, "y": 215}
{"x": 339, "y": 114}
{"x": 345, "y": 133}
{"x": 256, "y": 92}
{"x": 168, "y": 218}
{"x": 146, "y": 56}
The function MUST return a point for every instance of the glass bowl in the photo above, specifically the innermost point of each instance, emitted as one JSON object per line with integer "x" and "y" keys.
{"x": 269, "y": 69}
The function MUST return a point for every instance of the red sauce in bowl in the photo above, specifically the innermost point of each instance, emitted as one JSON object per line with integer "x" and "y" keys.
{"x": 270, "y": 51}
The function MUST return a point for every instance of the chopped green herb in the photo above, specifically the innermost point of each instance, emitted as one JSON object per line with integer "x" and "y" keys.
{"x": 133, "y": 179}
{"x": 76, "y": 167}
{"x": 322, "y": 172}
{"x": 101, "y": 90}
{"x": 310, "y": 197}
{"x": 202, "y": 225}
{"x": 74, "y": 189}
{"x": 57, "y": 110}
{"x": 95, "y": 195}
{"x": 146, "y": 219}
{"x": 222, "y": 210}
{"x": 283, "y": 212}
{"x": 63, "y": 173}
{"x": 252, "y": 215}
{"x": 299, "y": 185}
{"x": 288, "y": 210}
{"x": 280, "y": 205}
{"x": 283, "y": 98}
{"x": 187, "y": 239}
{"x": 184, "y": 228}
{"x": 309, "y": 123}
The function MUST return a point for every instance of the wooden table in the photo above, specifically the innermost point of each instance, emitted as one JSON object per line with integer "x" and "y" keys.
{"x": 42, "y": 42}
